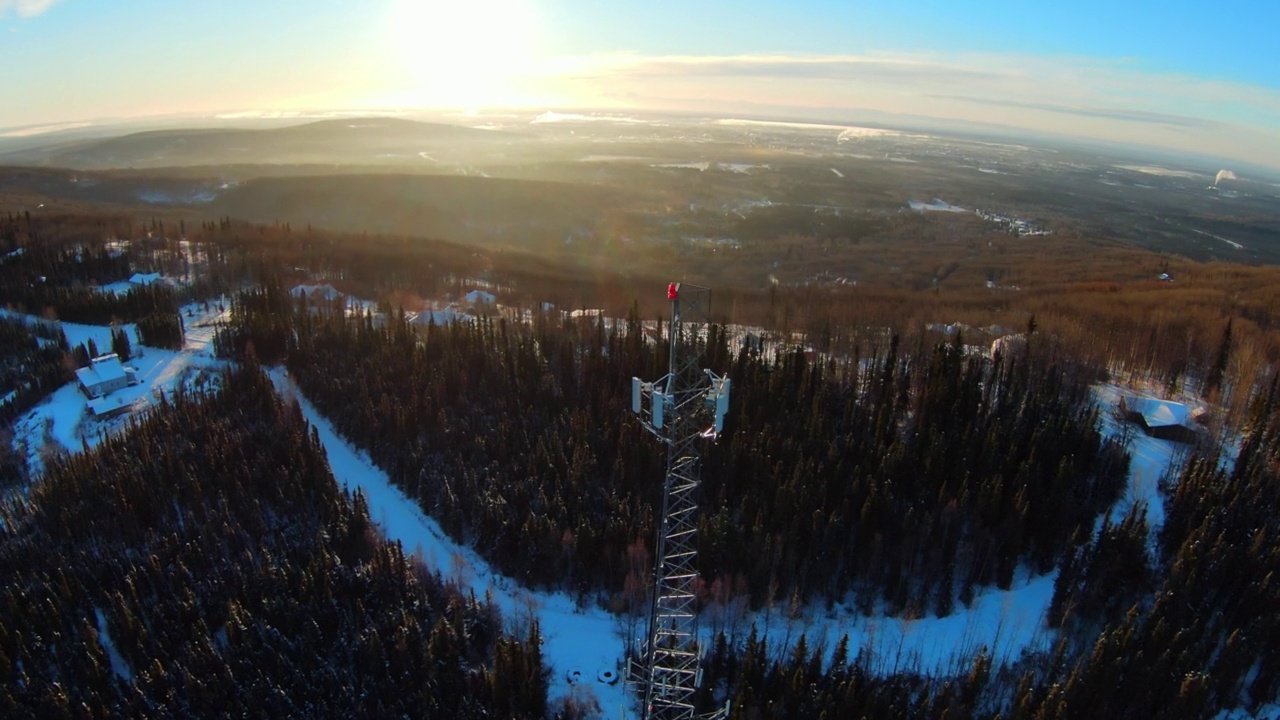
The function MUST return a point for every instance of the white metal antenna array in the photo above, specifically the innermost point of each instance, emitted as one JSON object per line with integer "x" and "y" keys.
{"x": 681, "y": 409}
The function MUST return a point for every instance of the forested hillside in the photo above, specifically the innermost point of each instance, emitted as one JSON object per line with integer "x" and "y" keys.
{"x": 912, "y": 482}
{"x": 204, "y": 563}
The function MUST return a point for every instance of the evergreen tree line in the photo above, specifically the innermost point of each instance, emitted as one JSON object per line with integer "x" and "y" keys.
{"x": 81, "y": 305}
{"x": 67, "y": 265}
{"x": 1196, "y": 633}
{"x": 162, "y": 330}
{"x": 1183, "y": 634}
{"x": 912, "y": 482}
{"x": 31, "y": 366}
{"x": 27, "y": 231}
{"x": 804, "y": 681}
{"x": 204, "y": 563}
{"x": 52, "y": 279}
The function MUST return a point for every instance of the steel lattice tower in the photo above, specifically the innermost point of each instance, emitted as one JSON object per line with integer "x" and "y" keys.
{"x": 684, "y": 408}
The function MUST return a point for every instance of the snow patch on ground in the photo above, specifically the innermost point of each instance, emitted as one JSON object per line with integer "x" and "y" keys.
{"x": 1006, "y": 623}
{"x": 741, "y": 168}
{"x": 935, "y": 206}
{"x": 119, "y": 665}
{"x": 699, "y": 166}
{"x": 121, "y": 287}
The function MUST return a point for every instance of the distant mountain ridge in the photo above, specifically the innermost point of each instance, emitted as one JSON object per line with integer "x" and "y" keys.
{"x": 363, "y": 140}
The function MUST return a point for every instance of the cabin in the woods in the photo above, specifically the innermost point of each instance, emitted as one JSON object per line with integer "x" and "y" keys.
{"x": 1163, "y": 419}
{"x": 104, "y": 375}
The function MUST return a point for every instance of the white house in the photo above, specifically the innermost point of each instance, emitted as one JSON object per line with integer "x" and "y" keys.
{"x": 104, "y": 376}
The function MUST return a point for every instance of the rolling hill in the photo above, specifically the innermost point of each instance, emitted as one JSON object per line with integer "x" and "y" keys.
{"x": 374, "y": 140}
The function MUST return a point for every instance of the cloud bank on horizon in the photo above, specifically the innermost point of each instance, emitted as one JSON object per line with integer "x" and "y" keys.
{"x": 1088, "y": 98}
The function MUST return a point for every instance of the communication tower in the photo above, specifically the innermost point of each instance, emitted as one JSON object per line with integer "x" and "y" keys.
{"x": 682, "y": 409}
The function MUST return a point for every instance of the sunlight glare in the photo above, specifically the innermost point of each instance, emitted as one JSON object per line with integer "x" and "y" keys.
{"x": 460, "y": 54}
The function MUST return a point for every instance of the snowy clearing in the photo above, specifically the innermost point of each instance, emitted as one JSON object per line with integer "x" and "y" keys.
{"x": 62, "y": 423}
{"x": 1150, "y": 459}
{"x": 935, "y": 206}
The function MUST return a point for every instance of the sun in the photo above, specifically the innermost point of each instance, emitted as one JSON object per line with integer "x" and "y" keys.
{"x": 460, "y": 54}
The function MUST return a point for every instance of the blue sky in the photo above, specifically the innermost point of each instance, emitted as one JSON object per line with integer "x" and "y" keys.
{"x": 1194, "y": 76}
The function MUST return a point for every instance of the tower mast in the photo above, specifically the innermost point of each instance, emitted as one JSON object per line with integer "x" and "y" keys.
{"x": 681, "y": 409}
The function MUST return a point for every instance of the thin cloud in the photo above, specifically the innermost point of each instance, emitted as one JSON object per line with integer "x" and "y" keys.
{"x": 1113, "y": 100}
{"x": 785, "y": 67}
{"x": 25, "y": 8}
{"x": 1128, "y": 115}
{"x": 1076, "y": 86}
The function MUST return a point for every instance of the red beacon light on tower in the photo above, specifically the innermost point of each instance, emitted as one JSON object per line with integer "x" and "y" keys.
{"x": 673, "y": 291}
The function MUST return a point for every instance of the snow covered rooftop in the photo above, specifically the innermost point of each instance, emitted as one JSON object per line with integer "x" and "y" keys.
{"x": 1158, "y": 413}
{"x": 316, "y": 292}
{"x": 480, "y": 296}
{"x": 108, "y": 405}
{"x": 144, "y": 278}
{"x": 439, "y": 317}
{"x": 103, "y": 369}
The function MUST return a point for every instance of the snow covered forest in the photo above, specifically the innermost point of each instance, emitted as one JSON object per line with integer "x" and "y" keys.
{"x": 198, "y": 558}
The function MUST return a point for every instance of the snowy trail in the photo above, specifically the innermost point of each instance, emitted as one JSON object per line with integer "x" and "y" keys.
{"x": 1149, "y": 459}
{"x": 573, "y": 639}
